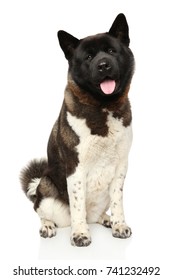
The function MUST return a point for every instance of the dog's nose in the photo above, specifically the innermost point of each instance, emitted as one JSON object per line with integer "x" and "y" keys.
{"x": 104, "y": 66}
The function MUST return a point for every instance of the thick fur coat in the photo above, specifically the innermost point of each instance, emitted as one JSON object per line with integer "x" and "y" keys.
{"x": 90, "y": 141}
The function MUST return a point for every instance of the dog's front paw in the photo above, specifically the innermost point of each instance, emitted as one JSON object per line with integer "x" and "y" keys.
{"x": 121, "y": 231}
{"x": 48, "y": 229}
{"x": 80, "y": 239}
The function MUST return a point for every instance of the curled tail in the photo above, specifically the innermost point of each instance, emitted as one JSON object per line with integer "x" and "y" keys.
{"x": 30, "y": 177}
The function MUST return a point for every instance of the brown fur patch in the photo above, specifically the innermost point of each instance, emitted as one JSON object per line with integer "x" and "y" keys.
{"x": 83, "y": 105}
{"x": 69, "y": 138}
{"x": 95, "y": 118}
{"x": 82, "y": 96}
{"x": 62, "y": 145}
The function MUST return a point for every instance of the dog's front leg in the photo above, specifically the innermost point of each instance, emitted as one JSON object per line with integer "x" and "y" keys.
{"x": 80, "y": 235}
{"x": 119, "y": 227}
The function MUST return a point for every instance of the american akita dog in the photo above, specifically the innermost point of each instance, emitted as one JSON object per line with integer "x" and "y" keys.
{"x": 90, "y": 141}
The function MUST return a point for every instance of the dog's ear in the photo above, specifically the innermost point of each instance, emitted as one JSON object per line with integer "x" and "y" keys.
{"x": 68, "y": 43}
{"x": 120, "y": 29}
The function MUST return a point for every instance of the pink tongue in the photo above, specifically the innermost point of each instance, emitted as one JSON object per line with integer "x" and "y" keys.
{"x": 108, "y": 86}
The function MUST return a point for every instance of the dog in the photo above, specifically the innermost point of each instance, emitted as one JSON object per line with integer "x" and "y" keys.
{"x": 89, "y": 144}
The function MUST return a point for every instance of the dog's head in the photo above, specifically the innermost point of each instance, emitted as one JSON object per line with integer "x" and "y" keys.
{"x": 101, "y": 64}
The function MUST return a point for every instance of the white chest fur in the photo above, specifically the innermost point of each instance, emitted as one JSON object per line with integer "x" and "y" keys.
{"x": 99, "y": 158}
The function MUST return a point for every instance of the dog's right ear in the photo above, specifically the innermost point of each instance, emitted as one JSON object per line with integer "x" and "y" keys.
{"x": 68, "y": 43}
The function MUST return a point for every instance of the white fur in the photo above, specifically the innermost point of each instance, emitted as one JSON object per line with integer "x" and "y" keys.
{"x": 48, "y": 228}
{"x": 54, "y": 210}
{"x": 33, "y": 186}
{"x": 99, "y": 177}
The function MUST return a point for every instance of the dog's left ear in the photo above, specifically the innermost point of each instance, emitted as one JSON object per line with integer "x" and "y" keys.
{"x": 120, "y": 29}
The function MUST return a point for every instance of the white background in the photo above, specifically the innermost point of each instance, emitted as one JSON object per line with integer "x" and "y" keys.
{"x": 33, "y": 74}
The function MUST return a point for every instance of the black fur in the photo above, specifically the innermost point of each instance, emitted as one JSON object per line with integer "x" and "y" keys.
{"x": 85, "y": 56}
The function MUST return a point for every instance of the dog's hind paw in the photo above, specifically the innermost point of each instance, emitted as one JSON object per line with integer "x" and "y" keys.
{"x": 48, "y": 229}
{"x": 121, "y": 231}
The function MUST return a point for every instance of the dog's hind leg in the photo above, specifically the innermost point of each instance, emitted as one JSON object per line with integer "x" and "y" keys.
{"x": 52, "y": 211}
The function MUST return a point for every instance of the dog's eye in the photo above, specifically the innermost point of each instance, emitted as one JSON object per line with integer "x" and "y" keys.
{"x": 111, "y": 50}
{"x": 89, "y": 57}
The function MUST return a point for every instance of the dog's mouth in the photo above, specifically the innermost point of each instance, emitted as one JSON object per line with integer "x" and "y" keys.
{"x": 108, "y": 86}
